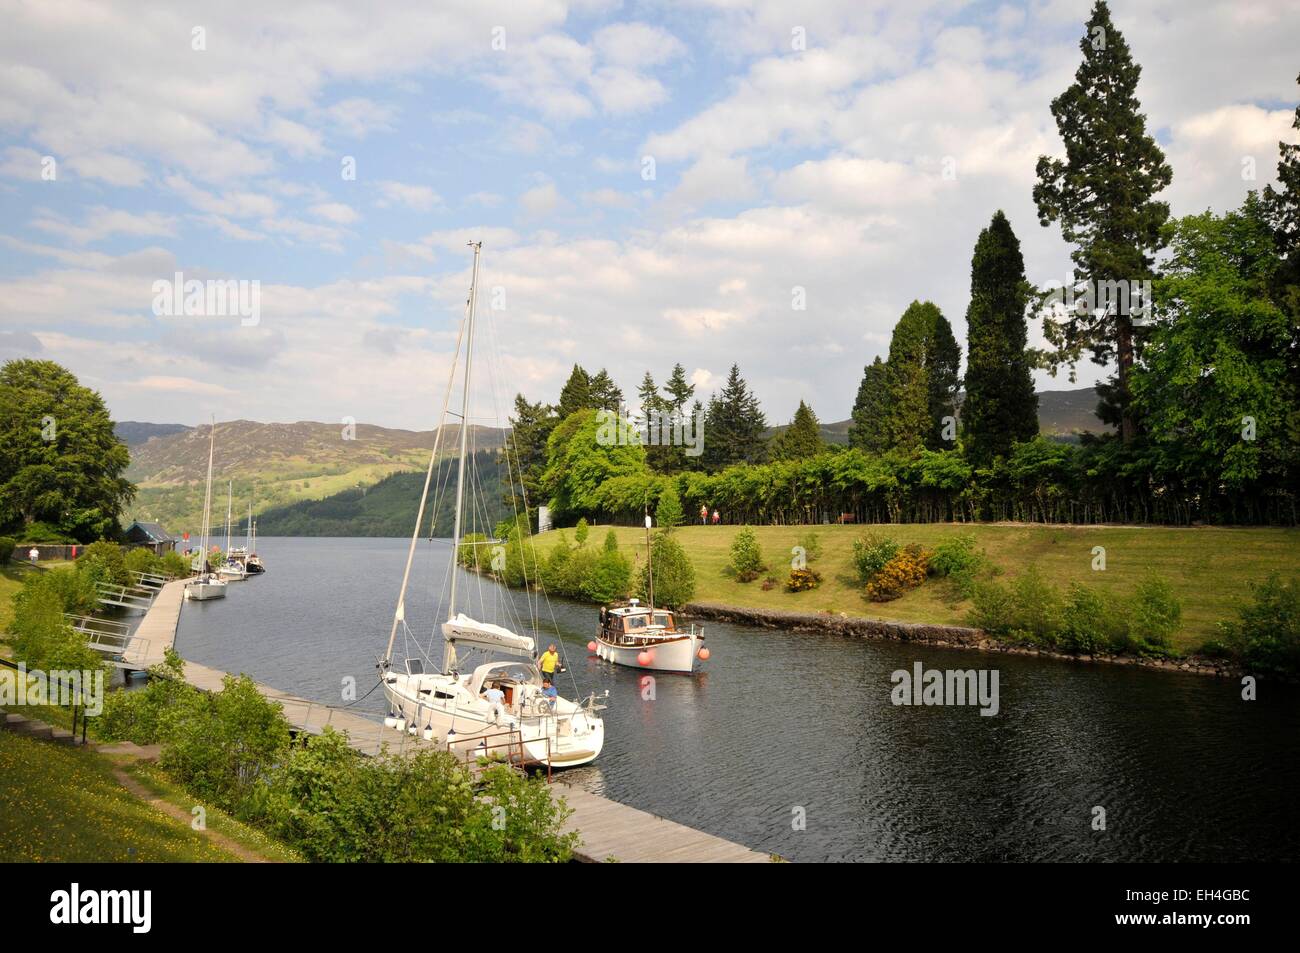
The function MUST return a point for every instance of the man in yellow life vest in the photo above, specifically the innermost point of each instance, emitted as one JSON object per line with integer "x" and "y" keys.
{"x": 549, "y": 661}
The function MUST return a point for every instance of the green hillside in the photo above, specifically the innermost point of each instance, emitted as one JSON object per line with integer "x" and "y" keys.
{"x": 388, "y": 507}
{"x": 272, "y": 465}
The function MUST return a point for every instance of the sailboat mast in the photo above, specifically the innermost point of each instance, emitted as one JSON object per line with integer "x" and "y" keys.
{"x": 207, "y": 504}
{"x": 230, "y": 490}
{"x": 650, "y": 569}
{"x": 400, "y": 613}
{"x": 464, "y": 429}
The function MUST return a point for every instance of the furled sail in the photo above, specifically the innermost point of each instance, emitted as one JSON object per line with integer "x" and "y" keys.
{"x": 462, "y": 630}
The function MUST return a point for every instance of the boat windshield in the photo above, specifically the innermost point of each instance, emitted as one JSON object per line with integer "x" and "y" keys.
{"x": 636, "y": 622}
{"x": 664, "y": 619}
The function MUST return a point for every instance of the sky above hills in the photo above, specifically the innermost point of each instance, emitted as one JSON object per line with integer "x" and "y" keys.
{"x": 652, "y": 182}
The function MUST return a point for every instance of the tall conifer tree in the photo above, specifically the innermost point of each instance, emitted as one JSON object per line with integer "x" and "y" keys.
{"x": 1000, "y": 408}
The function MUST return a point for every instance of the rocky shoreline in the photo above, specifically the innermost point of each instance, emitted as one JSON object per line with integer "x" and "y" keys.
{"x": 948, "y": 636}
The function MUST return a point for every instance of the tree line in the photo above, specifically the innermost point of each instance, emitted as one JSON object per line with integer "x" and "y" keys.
{"x": 1204, "y": 398}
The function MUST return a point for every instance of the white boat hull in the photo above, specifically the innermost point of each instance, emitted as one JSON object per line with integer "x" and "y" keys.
{"x": 203, "y": 591}
{"x": 567, "y": 739}
{"x": 675, "y": 654}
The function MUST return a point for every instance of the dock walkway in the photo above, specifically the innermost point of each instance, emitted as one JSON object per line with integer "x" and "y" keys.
{"x": 610, "y": 831}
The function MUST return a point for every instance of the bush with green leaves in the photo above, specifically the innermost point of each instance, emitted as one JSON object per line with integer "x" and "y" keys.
{"x": 992, "y": 608}
{"x": 472, "y": 553}
{"x": 957, "y": 560}
{"x": 104, "y": 562}
{"x": 141, "y": 559}
{"x": 811, "y": 544}
{"x": 137, "y": 715}
{"x": 1091, "y": 622}
{"x": 674, "y": 573}
{"x": 871, "y": 554}
{"x": 335, "y": 805}
{"x": 608, "y": 577}
{"x": 668, "y": 514}
{"x": 7, "y": 544}
{"x": 1266, "y": 633}
{"x": 41, "y": 637}
{"x": 174, "y": 564}
{"x": 1036, "y": 607}
{"x": 581, "y": 532}
{"x": 221, "y": 745}
{"x": 1154, "y": 616}
{"x": 746, "y": 555}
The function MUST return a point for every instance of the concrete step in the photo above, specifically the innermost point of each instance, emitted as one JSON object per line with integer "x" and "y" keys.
{"x": 62, "y": 736}
{"x": 29, "y": 727}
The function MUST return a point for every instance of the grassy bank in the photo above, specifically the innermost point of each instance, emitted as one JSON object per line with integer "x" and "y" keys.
{"x": 12, "y": 574}
{"x": 64, "y": 804}
{"x": 1210, "y": 568}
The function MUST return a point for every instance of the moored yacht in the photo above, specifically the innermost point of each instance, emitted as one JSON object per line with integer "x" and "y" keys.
{"x": 493, "y": 706}
{"x": 645, "y": 637}
{"x": 206, "y": 585}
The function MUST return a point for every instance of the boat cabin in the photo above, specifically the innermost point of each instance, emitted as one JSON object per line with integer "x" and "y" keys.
{"x": 632, "y": 621}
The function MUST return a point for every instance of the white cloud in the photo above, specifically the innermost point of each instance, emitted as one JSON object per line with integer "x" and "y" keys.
{"x": 420, "y": 198}
{"x": 101, "y": 222}
{"x": 336, "y": 212}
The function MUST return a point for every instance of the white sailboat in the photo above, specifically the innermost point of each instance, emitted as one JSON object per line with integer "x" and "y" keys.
{"x": 232, "y": 567}
{"x": 252, "y": 562}
{"x": 206, "y": 586}
{"x": 493, "y": 706}
{"x": 645, "y": 637}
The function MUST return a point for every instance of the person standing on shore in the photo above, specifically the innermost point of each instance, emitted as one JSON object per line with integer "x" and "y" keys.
{"x": 717, "y": 517}
{"x": 704, "y": 515}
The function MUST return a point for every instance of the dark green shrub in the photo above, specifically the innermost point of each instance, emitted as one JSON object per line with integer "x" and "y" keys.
{"x": 674, "y": 573}
{"x": 992, "y": 608}
{"x": 1090, "y": 622}
{"x": 7, "y": 545}
{"x": 746, "y": 555}
{"x": 1036, "y": 607}
{"x": 1154, "y": 616}
{"x": 1266, "y": 634}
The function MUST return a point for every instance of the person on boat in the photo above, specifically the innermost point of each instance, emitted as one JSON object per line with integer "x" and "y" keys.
{"x": 495, "y": 698}
{"x": 550, "y": 659}
{"x": 549, "y": 695}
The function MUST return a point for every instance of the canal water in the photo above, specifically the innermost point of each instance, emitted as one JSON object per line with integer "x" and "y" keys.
{"x": 789, "y": 743}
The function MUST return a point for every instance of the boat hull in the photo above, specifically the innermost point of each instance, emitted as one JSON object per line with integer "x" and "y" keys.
{"x": 574, "y": 739}
{"x": 673, "y": 654}
{"x": 205, "y": 591}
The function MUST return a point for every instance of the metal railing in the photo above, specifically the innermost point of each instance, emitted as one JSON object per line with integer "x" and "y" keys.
{"x": 127, "y": 597}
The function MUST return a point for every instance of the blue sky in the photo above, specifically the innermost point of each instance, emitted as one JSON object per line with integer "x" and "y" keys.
{"x": 776, "y": 168}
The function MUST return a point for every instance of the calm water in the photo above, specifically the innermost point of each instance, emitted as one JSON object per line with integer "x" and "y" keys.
{"x": 785, "y": 721}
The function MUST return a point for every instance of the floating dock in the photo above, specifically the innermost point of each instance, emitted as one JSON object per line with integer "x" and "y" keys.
{"x": 610, "y": 831}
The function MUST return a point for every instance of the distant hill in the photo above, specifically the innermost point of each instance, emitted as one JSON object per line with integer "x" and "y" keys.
{"x": 133, "y": 433}
{"x": 273, "y": 465}
{"x": 388, "y": 507}
{"x": 1061, "y": 413}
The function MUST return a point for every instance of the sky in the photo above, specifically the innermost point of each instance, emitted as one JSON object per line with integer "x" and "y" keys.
{"x": 652, "y": 183}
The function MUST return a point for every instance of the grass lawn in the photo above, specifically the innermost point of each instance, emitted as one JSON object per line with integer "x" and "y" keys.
{"x": 1210, "y": 568}
{"x": 162, "y": 786}
{"x": 63, "y": 804}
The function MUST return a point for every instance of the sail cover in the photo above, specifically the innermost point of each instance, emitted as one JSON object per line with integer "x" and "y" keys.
{"x": 462, "y": 630}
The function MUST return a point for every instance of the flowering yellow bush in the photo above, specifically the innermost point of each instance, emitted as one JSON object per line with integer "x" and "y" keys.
{"x": 802, "y": 580}
{"x": 905, "y": 571}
